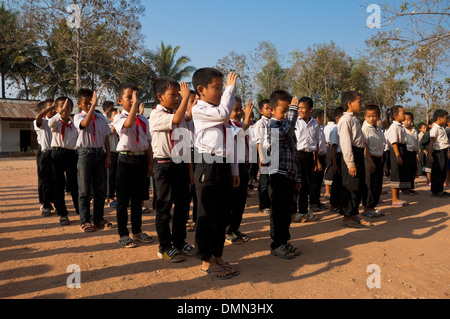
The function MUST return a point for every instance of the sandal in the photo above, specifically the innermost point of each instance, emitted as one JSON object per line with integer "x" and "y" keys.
{"x": 46, "y": 212}
{"x": 87, "y": 227}
{"x": 64, "y": 220}
{"x": 172, "y": 255}
{"x": 372, "y": 213}
{"x": 293, "y": 249}
{"x": 187, "y": 250}
{"x": 215, "y": 273}
{"x": 126, "y": 242}
{"x": 241, "y": 236}
{"x": 143, "y": 238}
{"x": 282, "y": 252}
{"x": 190, "y": 226}
{"x": 233, "y": 239}
{"x": 229, "y": 269}
{"x": 104, "y": 224}
{"x": 299, "y": 218}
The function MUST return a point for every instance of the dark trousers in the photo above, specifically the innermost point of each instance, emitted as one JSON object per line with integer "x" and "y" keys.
{"x": 91, "y": 171}
{"x": 172, "y": 184}
{"x": 44, "y": 161}
{"x": 263, "y": 191}
{"x": 438, "y": 171}
{"x": 239, "y": 198}
{"x": 193, "y": 193}
{"x": 281, "y": 190}
{"x": 387, "y": 162}
{"x": 131, "y": 174}
{"x": 65, "y": 169}
{"x": 112, "y": 175}
{"x": 374, "y": 183}
{"x": 353, "y": 187}
{"x": 411, "y": 159}
{"x": 213, "y": 187}
{"x": 336, "y": 186}
{"x": 306, "y": 161}
{"x": 316, "y": 182}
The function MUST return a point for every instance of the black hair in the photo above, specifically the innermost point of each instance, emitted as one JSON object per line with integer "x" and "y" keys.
{"x": 106, "y": 105}
{"x": 394, "y": 111}
{"x": 348, "y": 97}
{"x": 262, "y": 102}
{"x": 83, "y": 92}
{"x": 307, "y": 100}
{"x": 338, "y": 112}
{"x": 111, "y": 110}
{"x": 238, "y": 99}
{"x": 192, "y": 92}
{"x": 204, "y": 76}
{"x": 410, "y": 114}
{"x": 127, "y": 85}
{"x": 330, "y": 114}
{"x": 373, "y": 107}
{"x": 162, "y": 84}
{"x": 279, "y": 95}
{"x": 316, "y": 113}
{"x": 63, "y": 100}
{"x": 43, "y": 104}
{"x": 439, "y": 113}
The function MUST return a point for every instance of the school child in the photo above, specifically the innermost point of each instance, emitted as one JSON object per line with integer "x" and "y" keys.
{"x": 239, "y": 194}
{"x": 107, "y": 106}
{"x": 44, "y": 157}
{"x": 328, "y": 178}
{"x": 260, "y": 131}
{"x": 412, "y": 147}
{"x": 318, "y": 174}
{"x": 284, "y": 172}
{"x": 396, "y": 137}
{"x": 387, "y": 148}
{"x": 424, "y": 144}
{"x": 422, "y": 128}
{"x": 93, "y": 160}
{"x": 336, "y": 158}
{"x": 112, "y": 171}
{"x": 374, "y": 138}
{"x": 307, "y": 133}
{"x": 439, "y": 153}
{"x": 352, "y": 170}
{"x": 65, "y": 157}
{"x": 214, "y": 175}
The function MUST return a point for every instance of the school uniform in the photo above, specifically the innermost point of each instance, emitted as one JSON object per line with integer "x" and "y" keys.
{"x": 387, "y": 157}
{"x": 352, "y": 145}
{"x": 260, "y": 131}
{"x": 328, "y": 178}
{"x": 308, "y": 136}
{"x": 424, "y": 142}
{"x": 91, "y": 165}
{"x": 171, "y": 177}
{"x": 336, "y": 185}
{"x": 374, "y": 138}
{"x": 441, "y": 147}
{"x": 44, "y": 163}
{"x": 412, "y": 147}
{"x": 213, "y": 145}
{"x": 399, "y": 173}
{"x": 112, "y": 171}
{"x": 191, "y": 129}
{"x": 65, "y": 158}
{"x": 318, "y": 175}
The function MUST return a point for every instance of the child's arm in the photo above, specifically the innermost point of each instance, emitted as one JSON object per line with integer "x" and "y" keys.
{"x": 191, "y": 174}
{"x": 108, "y": 152}
{"x": 345, "y": 137}
{"x": 369, "y": 159}
{"x": 334, "y": 158}
{"x": 149, "y": 154}
{"x": 248, "y": 113}
{"x": 430, "y": 149}
{"x": 287, "y": 128}
{"x": 181, "y": 111}
{"x": 188, "y": 116}
{"x": 90, "y": 114}
{"x": 42, "y": 113}
{"x": 397, "y": 154}
{"x": 131, "y": 118}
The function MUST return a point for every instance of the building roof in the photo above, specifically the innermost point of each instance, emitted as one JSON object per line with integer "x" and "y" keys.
{"x": 18, "y": 110}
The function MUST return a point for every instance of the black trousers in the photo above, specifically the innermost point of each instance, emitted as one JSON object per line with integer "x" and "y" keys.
{"x": 213, "y": 188}
{"x": 387, "y": 163}
{"x": 306, "y": 161}
{"x": 263, "y": 191}
{"x": 411, "y": 159}
{"x": 336, "y": 186}
{"x": 281, "y": 190}
{"x": 112, "y": 175}
{"x": 353, "y": 187}
{"x": 193, "y": 193}
{"x": 239, "y": 198}
{"x": 44, "y": 161}
{"x": 172, "y": 184}
{"x": 131, "y": 174}
{"x": 316, "y": 182}
{"x": 374, "y": 183}
{"x": 65, "y": 169}
{"x": 438, "y": 171}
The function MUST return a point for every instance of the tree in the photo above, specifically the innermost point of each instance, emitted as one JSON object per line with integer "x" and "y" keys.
{"x": 8, "y": 44}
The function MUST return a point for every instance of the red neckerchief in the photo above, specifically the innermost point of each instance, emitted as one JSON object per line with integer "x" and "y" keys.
{"x": 63, "y": 128}
{"x": 139, "y": 122}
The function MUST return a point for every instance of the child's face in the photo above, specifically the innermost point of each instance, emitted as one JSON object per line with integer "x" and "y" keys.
{"x": 371, "y": 117}
{"x": 51, "y": 112}
{"x": 355, "y": 106}
{"x": 113, "y": 113}
{"x": 238, "y": 112}
{"x": 126, "y": 100}
{"x": 85, "y": 103}
{"x": 407, "y": 123}
{"x": 66, "y": 114}
{"x": 442, "y": 120}
{"x": 266, "y": 110}
{"x": 191, "y": 99}
{"x": 320, "y": 119}
{"x": 171, "y": 98}
{"x": 212, "y": 93}
{"x": 304, "y": 111}
{"x": 400, "y": 117}
{"x": 280, "y": 110}
{"x": 423, "y": 128}
{"x": 336, "y": 120}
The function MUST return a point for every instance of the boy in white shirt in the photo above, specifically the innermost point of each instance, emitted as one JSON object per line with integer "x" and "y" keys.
{"x": 412, "y": 147}
{"x": 328, "y": 178}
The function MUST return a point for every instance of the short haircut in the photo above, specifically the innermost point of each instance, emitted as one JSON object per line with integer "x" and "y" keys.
{"x": 279, "y": 95}
{"x": 127, "y": 85}
{"x": 395, "y": 110}
{"x": 111, "y": 111}
{"x": 63, "y": 99}
{"x": 420, "y": 125}
{"x": 162, "y": 84}
{"x": 330, "y": 114}
{"x": 43, "y": 104}
{"x": 348, "y": 97}
{"x": 410, "y": 114}
{"x": 84, "y": 92}
{"x": 238, "y": 99}
{"x": 204, "y": 76}
{"x": 192, "y": 92}
{"x": 439, "y": 113}
{"x": 307, "y": 100}
{"x": 106, "y": 105}
{"x": 338, "y": 112}
{"x": 262, "y": 102}
{"x": 317, "y": 113}
{"x": 373, "y": 107}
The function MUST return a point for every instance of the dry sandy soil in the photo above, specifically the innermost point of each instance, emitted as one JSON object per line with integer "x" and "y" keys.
{"x": 410, "y": 245}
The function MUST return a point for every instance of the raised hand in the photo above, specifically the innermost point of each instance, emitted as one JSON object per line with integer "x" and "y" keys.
{"x": 185, "y": 91}
{"x": 294, "y": 101}
{"x": 231, "y": 79}
{"x": 135, "y": 98}
{"x": 94, "y": 100}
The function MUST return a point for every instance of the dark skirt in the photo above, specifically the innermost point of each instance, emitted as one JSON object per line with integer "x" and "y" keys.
{"x": 399, "y": 173}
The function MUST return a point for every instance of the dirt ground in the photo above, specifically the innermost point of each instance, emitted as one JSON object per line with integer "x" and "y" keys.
{"x": 410, "y": 245}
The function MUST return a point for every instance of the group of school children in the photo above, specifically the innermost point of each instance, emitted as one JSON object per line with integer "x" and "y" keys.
{"x": 208, "y": 166}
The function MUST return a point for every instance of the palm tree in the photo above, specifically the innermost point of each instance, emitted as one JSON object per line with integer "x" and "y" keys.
{"x": 166, "y": 64}
{"x": 8, "y": 45}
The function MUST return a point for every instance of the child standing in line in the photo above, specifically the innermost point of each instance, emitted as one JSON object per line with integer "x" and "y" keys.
{"x": 447, "y": 130}
{"x": 65, "y": 157}
{"x": 352, "y": 144}
{"x": 412, "y": 147}
{"x": 396, "y": 137}
{"x": 112, "y": 171}
{"x": 336, "y": 158}
{"x": 439, "y": 153}
{"x": 285, "y": 172}
{"x": 93, "y": 160}
{"x": 260, "y": 130}
{"x": 375, "y": 146}
{"x": 422, "y": 128}
{"x": 328, "y": 178}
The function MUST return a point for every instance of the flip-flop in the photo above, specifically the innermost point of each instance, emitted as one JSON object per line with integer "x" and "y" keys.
{"x": 229, "y": 268}
{"x": 352, "y": 224}
{"x": 214, "y": 271}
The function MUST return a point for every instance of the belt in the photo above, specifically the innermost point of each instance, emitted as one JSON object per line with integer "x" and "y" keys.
{"x": 132, "y": 153}
{"x": 160, "y": 160}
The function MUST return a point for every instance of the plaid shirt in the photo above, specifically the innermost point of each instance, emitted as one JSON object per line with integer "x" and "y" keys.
{"x": 287, "y": 146}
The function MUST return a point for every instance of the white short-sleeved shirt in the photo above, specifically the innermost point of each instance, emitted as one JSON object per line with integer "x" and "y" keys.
{"x": 327, "y": 130}
{"x": 44, "y": 134}
{"x": 130, "y": 139}
{"x": 374, "y": 139}
{"x": 412, "y": 140}
{"x": 396, "y": 134}
{"x": 64, "y": 134}
{"x": 322, "y": 142}
{"x": 439, "y": 133}
{"x": 86, "y": 136}
{"x": 308, "y": 134}
{"x": 334, "y": 138}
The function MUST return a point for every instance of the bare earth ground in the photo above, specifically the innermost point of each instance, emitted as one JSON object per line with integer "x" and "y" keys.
{"x": 410, "y": 245}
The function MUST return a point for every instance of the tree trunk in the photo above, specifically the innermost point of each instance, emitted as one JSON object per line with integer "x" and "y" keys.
{"x": 3, "y": 86}
{"x": 78, "y": 61}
